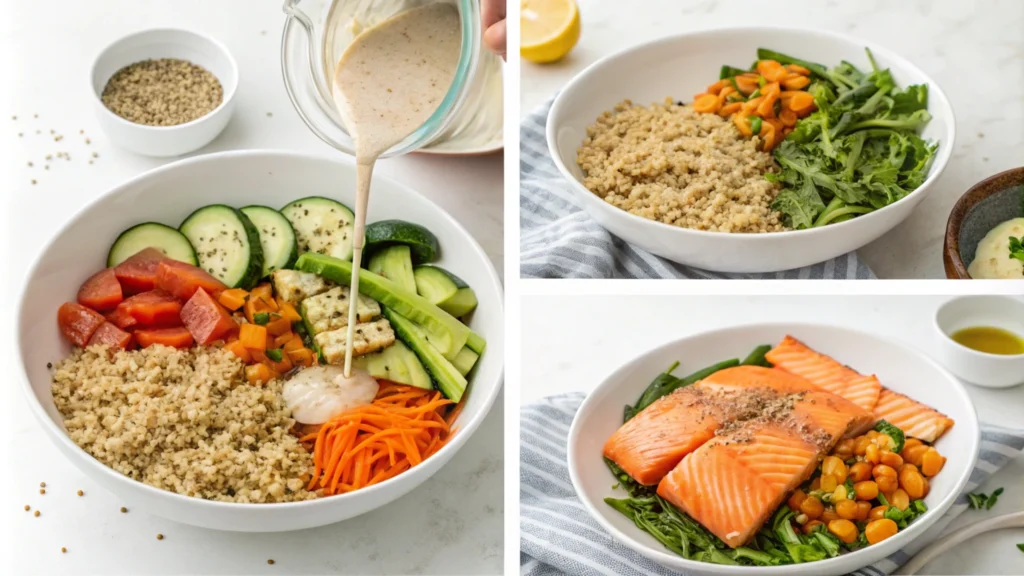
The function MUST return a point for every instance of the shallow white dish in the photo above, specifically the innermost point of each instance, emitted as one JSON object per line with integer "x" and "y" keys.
{"x": 165, "y": 43}
{"x": 898, "y": 367}
{"x": 169, "y": 194}
{"x": 684, "y": 65}
{"x": 979, "y": 368}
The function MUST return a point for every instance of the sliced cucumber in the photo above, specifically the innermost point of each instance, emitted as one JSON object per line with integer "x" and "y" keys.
{"x": 322, "y": 225}
{"x": 151, "y": 235}
{"x": 396, "y": 363}
{"x": 394, "y": 263}
{"x": 227, "y": 244}
{"x": 476, "y": 343}
{"x": 444, "y": 289}
{"x": 465, "y": 360}
{"x": 447, "y": 377}
{"x": 445, "y": 331}
{"x": 421, "y": 241}
{"x": 277, "y": 238}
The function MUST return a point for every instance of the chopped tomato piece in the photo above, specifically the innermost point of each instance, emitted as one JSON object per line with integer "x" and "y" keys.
{"x": 121, "y": 318}
{"x": 78, "y": 323}
{"x": 110, "y": 336}
{"x": 153, "y": 308}
{"x": 138, "y": 273}
{"x": 233, "y": 298}
{"x": 101, "y": 292}
{"x": 182, "y": 280}
{"x": 205, "y": 318}
{"x": 178, "y": 337}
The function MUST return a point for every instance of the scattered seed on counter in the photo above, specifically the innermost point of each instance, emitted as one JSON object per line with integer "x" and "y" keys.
{"x": 27, "y": 507}
{"x": 29, "y": 164}
{"x": 162, "y": 92}
{"x": 42, "y": 490}
{"x": 81, "y": 131}
{"x": 88, "y": 142}
{"x": 269, "y": 114}
{"x": 63, "y": 550}
{"x": 20, "y": 134}
{"x": 49, "y": 156}
{"x": 95, "y": 155}
{"x": 270, "y": 561}
{"x": 14, "y": 117}
{"x": 52, "y": 131}
{"x": 35, "y": 115}
{"x": 36, "y": 513}
{"x": 42, "y": 484}
{"x": 49, "y": 365}
{"x": 124, "y": 510}
{"x": 33, "y": 182}
{"x": 46, "y": 166}
{"x": 80, "y": 493}
{"x": 159, "y": 536}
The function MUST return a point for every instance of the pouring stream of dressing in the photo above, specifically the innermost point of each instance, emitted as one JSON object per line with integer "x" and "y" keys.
{"x": 386, "y": 85}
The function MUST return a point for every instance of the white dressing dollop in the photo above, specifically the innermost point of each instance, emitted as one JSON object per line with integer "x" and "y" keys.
{"x": 319, "y": 393}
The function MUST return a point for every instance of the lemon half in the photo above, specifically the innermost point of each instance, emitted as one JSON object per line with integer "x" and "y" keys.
{"x": 548, "y": 29}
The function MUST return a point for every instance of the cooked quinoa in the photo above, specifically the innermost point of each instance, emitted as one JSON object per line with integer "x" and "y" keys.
{"x": 668, "y": 163}
{"x": 184, "y": 421}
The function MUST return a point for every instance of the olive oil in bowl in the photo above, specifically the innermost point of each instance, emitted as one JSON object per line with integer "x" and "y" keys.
{"x": 990, "y": 340}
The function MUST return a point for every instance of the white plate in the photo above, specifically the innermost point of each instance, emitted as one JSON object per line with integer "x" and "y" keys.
{"x": 168, "y": 195}
{"x": 898, "y": 367}
{"x": 684, "y": 65}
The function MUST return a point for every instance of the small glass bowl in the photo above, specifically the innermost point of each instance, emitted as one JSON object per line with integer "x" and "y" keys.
{"x": 311, "y": 44}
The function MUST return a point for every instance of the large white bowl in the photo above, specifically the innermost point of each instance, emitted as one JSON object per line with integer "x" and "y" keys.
{"x": 168, "y": 195}
{"x": 898, "y": 367}
{"x": 684, "y": 65}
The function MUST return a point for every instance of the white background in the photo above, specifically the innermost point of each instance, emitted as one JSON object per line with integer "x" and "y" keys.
{"x": 452, "y": 524}
{"x": 571, "y": 343}
{"x": 973, "y": 49}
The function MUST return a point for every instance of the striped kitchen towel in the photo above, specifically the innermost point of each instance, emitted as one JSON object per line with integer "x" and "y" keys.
{"x": 558, "y": 536}
{"x": 558, "y": 239}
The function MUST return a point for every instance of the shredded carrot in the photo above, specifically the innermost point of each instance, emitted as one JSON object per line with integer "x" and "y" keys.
{"x": 367, "y": 445}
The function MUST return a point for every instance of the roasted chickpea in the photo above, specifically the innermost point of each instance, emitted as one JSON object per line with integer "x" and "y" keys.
{"x": 872, "y": 454}
{"x": 912, "y": 482}
{"x": 812, "y": 507}
{"x": 828, "y": 515}
{"x": 882, "y": 470}
{"x": 878, "y": 530}
{"x": 863, "y": 509}
{"x": 877, "y": 512}
{"x": 834, "y": 466}
{"x": 932, "y": 462}
{"x": 811, "y": 525}
{"x": 847, "y": 509}
{"x": 844, "y": 530}
{"x": 860, "y": 445}
{"x": 866, "y": 491}
{"x": 796, "y": 498}
{"x": 900, "y": 499}
{"x": 910, "y": 443}
{"x": 829, "y": 482}
{"x": 887, "y": 484}
{"x": 859, "y": 472}
{"x": 913, "y": 454}
{"x": 891, "y": 459}
{"x": 844, "y": 449}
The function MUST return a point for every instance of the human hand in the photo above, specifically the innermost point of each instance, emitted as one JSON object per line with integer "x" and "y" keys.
{"x": 493, "y": 12}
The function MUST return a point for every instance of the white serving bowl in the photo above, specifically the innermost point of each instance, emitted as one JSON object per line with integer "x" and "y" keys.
{"x": 898, "y": 367}
{"x": 165, "y": 43}
{"x": 684, "y": 65}
{"x": 980, "y": 368}
{"x": 169, "y": 194}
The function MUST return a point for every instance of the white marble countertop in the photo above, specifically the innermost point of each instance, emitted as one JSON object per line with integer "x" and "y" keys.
{"x": 452, "y": 524}
{"x": 974, "y": 50}
{"x": 589, "y": 346}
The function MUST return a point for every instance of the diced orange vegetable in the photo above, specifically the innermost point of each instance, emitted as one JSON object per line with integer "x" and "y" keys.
{"x": 258, "y": 374}
{"x": 263, "y": 291}
{"x": 288, "y": 311}
{"x": 768, "y": 135}
{"x": 301, "y": 356}
{"x": 743, "y": 124}
{"x": 717, "y": 87}
{"x": 746, "y": 84}
{"x": 796, "y": 82}
{"x": 771, "y": 70}
{"x": 254, "y": 306}
{"x": 798, "y": 69}
{"x": 293, "y": 344}
{"x": 233, "y": 298}
{"x": 239, "y": 350}
{"x": 706, "y": 103}
{"x": 282, "y": 367}
{"x": 253, "y": 336}
{"x": 283, "y": 339}
{"x": 766, "y": 109}
{"x": 788, "y": 117}
{"x": 729, "y": 109}
{"x": 278, "y": 325}
{"x": 799, "y": 101}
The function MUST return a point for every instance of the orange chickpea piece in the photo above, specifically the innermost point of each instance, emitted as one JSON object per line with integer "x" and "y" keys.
{"x": 877, "y": 512}
{"x": 844, "y": 530}
{"x": 834, "y": 466}
{"x": 847, "y": 509}
{"x": 912, "y": 482}
{"x": 882, "y": 470}
{"x": 811, "y": 525}
{"x": 872, "y": 454}
{"x": 863, "y": 509}
{"x": 812, "y": 507}
{"x": 932, "y": 462}
{"x": 828, "y": 515}
{"x": 866, "y": 490}
{"x": 878, "y": 530}
{"x": 900, "y": 499}
{"x": 887, "y": 484}
{"x": 872, "y": 434}
{"x": 860, "y": 445}
{"x": 860, "y": 471}
{"x": 845, "y": 448}
{"x": 796, "y": 498}
{"x": 911, "y": 442}
{"x": 927, "y": 487}
{"x": 914, "y": 454}
{"x": 829, "y": 482}
{"x": 891, "y": 459}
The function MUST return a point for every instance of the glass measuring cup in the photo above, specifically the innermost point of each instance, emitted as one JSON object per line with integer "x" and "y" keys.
{"x": 317, "y": 32}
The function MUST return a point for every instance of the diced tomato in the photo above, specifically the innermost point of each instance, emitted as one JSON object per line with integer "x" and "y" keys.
{"x": 78, "y": 323}
{"x": 101, "y": 292}
{"x": 111, "y": 336}
{"x": 178, "y": 337}
{"x": 205, "y": 318}
{"x": 153, "y": 308}
{"x": 121, "y": 318}
{"x": 182, "y": 280}
{"x": 138, "y": 273}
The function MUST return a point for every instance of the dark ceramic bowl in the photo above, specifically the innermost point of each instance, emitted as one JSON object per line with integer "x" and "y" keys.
{"x": 986, "y": 205}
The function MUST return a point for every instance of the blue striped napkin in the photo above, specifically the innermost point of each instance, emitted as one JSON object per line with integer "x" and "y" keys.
{"x": 558, "y": 536}
{"x": 558, "y": 239}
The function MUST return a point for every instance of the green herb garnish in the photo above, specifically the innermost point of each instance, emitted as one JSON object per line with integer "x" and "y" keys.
{"x": 275, "y": 354}
{"x": 261, "y": 318}
{"x": 980, "y": 500}
{"x": 755, "y": 124}
{"x": 1017, "y": 248}
{"x": 894, "y": 433}
{"x": 1020, "y": 547}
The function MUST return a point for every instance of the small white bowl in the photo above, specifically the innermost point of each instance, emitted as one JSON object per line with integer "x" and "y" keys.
{"x": 898, "y": 367}
{"x": 683, "y": 65}
{"x": 170, "y": 193}
{"x": 165, "y": 43}
{"x": 980, "y": 368}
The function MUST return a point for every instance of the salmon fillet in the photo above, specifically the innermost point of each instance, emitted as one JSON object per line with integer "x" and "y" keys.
{"x": 915, "y": 419}
{"x": 825, "y": 372}
{"x": 732, "y": 488}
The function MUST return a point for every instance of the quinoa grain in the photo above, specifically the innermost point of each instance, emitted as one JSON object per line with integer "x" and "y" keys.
{"x": 162, "y": 92}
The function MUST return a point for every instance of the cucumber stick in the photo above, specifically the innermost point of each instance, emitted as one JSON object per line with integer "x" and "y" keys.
{"x": 396, "y": 363}
{"x": 394, "y": 263}
{"x": 465, "y": 360}
{"x": 444, "y": 331}
{"x": 476, "y": 343}
{"x": 449, "y": 380}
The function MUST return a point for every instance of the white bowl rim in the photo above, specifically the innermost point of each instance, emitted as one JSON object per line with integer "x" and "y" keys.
{"x": 986, "y": 356}
{"x": 938, "y": 163}
{"x": 901, "y": 539}
{"x": 60, "y": 435}
{"x": 229, "y": 92}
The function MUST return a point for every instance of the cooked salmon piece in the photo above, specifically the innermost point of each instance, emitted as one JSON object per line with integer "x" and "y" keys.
{"x": 915, "y": 419}
{"x": 732, "y": 486}
{"x": 655, "y": 440}
{"x": 825, "y": 372}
